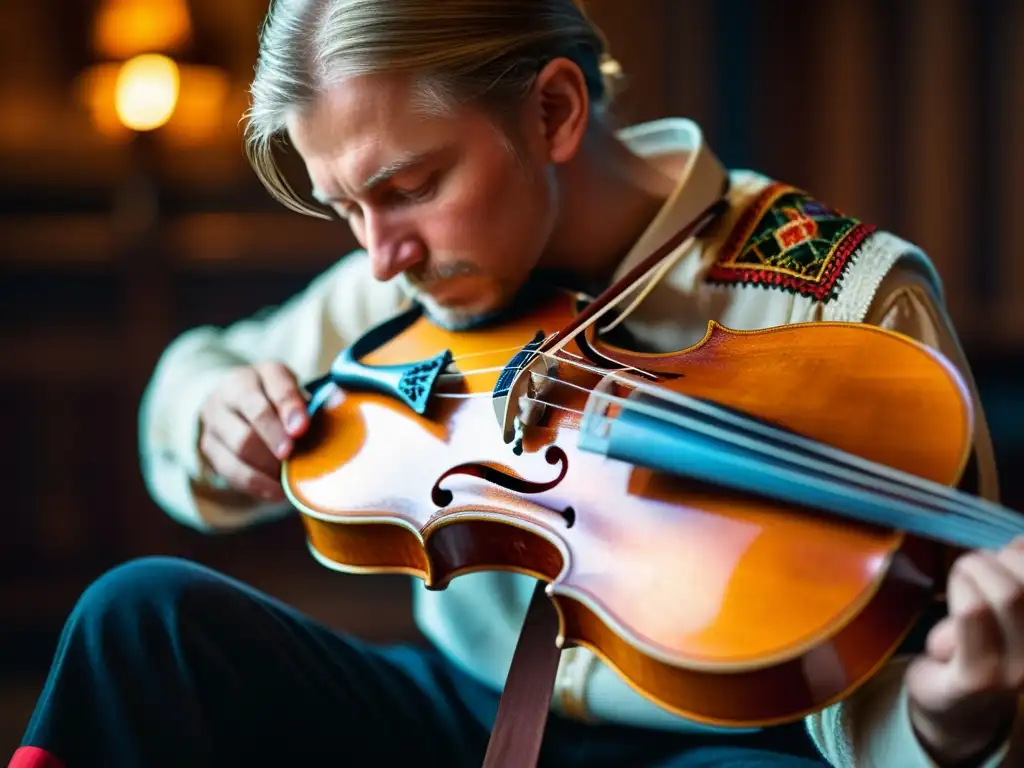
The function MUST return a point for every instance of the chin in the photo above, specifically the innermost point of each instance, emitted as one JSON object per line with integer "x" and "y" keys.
{"x": 471, "y": 307}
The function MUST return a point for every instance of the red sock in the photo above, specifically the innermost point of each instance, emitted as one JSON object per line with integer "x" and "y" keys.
{"x": 34, "y": 757}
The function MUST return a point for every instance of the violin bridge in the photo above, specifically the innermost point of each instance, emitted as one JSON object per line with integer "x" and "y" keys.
{"x": 517, "y": 393}
{"x": 509, "y": 387}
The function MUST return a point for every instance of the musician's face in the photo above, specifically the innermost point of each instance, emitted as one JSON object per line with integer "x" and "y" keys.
{"x": 439, "y": 201}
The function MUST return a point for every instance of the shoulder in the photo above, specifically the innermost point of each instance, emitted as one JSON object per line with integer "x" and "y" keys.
{"x": 781, "y": 243}
{"x": 338, "y": 304}
{"x": 353, "y": 296}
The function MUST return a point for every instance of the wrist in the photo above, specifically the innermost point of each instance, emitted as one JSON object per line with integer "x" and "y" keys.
{"x": 959, "y": 742}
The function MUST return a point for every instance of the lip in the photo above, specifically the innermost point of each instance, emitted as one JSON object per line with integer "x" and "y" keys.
{"x": 452, "y": 292}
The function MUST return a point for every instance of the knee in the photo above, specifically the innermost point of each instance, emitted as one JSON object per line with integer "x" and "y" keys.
{"x": 139, "y": 591}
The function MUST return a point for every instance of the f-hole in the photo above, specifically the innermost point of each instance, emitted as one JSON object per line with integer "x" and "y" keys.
{"x": 506, "y": 478}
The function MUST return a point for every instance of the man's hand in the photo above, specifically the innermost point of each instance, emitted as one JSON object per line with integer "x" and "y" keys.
{"x": 965, "y": 687}
{"x": 247, "y": 427}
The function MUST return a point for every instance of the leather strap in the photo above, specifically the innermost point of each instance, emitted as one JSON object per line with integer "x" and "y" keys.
{"x": 526, "y": 699}
{"x": 523, "y": 709}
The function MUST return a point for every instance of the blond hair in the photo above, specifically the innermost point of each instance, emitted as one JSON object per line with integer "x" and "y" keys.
{"x": 457, "y": 51}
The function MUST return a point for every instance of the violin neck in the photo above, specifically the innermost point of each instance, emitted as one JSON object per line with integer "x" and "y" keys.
{"x": 665, "y": 437}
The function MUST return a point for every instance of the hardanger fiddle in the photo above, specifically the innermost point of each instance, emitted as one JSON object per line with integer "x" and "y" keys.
{"x": 744, "y": 530}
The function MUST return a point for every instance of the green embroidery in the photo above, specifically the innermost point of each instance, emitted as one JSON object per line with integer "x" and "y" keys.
{"x": 789, "y": 240}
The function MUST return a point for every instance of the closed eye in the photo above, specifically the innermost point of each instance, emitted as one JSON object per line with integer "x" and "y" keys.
{"x": 387, "y": 196}
{"x": 415, "y": 195}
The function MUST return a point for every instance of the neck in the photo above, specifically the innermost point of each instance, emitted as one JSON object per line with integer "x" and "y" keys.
{"x": 607, "y": 198}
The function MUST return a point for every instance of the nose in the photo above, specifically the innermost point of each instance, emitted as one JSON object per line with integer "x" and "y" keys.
{"x": 391, "y": 251}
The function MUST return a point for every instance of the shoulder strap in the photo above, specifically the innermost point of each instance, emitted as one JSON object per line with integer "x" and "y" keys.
{"x": 526, "y": 700}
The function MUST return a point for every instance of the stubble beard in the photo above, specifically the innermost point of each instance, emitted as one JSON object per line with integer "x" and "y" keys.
{"x": 416, "y": 287}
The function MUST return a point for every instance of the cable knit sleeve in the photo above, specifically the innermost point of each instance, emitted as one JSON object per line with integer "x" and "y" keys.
{"x": 304, "y": 333}
{"x": 872, "y": 728}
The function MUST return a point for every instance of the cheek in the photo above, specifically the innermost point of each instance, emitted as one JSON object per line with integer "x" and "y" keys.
{"x": 487, "y": 219}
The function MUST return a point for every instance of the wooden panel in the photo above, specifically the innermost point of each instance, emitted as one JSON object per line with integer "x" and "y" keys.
{"x": 1008, "y": 322}
{"x": 938, "y": 143}
{"x": 638, "y": 34}
{"x": 690, "y": 70}
{"x": 846, "y": 147}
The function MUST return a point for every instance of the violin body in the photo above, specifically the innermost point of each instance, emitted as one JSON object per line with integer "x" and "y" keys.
{"x": 719, "y": 605}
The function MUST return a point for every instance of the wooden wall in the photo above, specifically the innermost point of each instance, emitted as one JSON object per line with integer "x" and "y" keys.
{"x": 905, "y": 112}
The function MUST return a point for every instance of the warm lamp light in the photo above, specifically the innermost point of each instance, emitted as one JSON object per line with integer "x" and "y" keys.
{"x": 200, "y": 112}
{"x": 125, "y": 28}
{"x": 146, "y": 91}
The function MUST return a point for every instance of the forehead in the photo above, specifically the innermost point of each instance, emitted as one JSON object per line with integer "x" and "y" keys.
{"x": 358, "y": 126}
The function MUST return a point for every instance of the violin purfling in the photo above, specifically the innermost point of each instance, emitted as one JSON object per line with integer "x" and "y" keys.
{"x": 744, "y": 530}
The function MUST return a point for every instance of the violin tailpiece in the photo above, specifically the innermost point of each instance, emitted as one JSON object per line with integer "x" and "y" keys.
{"x": 410, "y": 383}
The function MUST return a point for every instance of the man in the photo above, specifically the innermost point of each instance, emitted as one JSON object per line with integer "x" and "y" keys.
{"x": 466, "y": 145}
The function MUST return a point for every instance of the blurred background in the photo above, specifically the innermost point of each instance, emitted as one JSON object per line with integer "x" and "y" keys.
{"x": 128, "y": 214}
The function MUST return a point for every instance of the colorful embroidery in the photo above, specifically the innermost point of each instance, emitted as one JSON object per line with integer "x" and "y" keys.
{"x": 789, "y": 240}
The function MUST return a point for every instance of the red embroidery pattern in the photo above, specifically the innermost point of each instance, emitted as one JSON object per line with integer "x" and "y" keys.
{"x": 788, "y": 240}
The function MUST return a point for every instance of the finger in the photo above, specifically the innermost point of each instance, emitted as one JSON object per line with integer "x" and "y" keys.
{"x": 1007, "y": 567}
{"x": 979, "y": 647}
{"x": 1012, "y": 557}
{"x": 243, "y": 441}
{"x": 256, "y": 408}
{"x": 931, "y": 684}
{"x": 941, "y": 641}
{"x": 283, "y": 391}
{"x": 237, "y": 473}
{"x": 962, "y": 594}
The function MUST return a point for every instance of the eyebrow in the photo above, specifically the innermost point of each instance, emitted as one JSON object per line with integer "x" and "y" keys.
{"x": 382, "y": 174}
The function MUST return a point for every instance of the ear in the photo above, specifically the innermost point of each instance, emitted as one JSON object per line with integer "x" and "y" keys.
{"x": 562, "y": 104}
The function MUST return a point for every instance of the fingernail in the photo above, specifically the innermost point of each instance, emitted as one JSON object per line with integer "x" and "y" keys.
{"x": 282, "y": 449}
{"x": 295, "y": 421}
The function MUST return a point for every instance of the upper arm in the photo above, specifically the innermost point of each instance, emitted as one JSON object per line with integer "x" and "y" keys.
{"x": 908, "y": 302}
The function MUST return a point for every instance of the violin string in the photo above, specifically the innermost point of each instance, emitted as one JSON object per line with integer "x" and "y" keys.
{"x": 959, "y": 527}
{"x": 837, "y": 456}
{"x": 471, "y": 372}
{"x": 958, "y": 520}
{"x": 916, "y": 487}
{"x": 457, "y": 374}
{"x": 638, "y": 371}
{"x": 953, "y": 502}
{"x": 518, "y": 348}
{"x": 554, "y": 405}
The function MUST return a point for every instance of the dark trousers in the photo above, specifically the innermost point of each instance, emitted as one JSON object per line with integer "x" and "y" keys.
{"x": 166, "y": 663}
